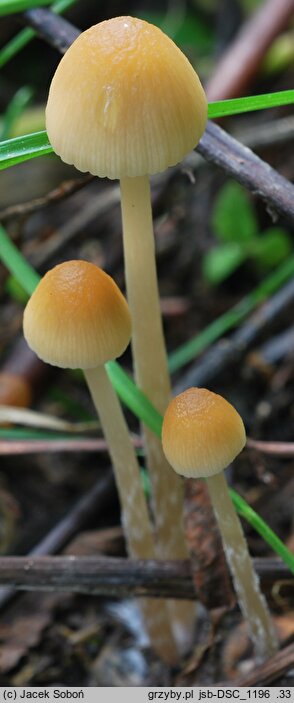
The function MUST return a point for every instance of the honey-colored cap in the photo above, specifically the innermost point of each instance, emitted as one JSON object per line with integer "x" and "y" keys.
{"x": 77, "y": 317}
{"x": 124, "y": 101}
{"x": 202, "y": 433}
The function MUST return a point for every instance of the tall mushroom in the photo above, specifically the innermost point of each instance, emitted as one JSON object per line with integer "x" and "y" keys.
{"x": 201, "y": 435}
{"x": 126, "y": 103}
{"x": 78, "y": 318}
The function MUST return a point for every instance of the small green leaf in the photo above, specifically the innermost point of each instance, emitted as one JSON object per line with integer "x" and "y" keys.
{"x": 220, "y": 262}
{"x": 233, "y": 217}
{"x": 280, "y": 54}
{"x": 271, "y": 248}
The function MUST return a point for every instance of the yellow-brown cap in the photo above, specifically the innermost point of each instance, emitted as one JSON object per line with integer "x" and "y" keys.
{"x": 77, "y": 317}
{"x": 124, "y": 101}
{"x": 202, "y": 433}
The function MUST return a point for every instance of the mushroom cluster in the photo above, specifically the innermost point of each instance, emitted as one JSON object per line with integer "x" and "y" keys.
{"x": 126, "y": 103}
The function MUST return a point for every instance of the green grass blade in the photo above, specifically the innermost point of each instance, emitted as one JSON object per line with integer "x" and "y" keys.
{"x": 17, "y": 433}
{"x": 190, "y": 350}
{"x": 263, "y": 529}
{"x": 15, "y": 45}
{"x": 132, "y": 396}
{"x": 17, "y": 105}
{"x": 7, "y": 7}
{"x": 16, "y": 263}
{"x": 15, "y": 151}
{"x": 26, "y": 35}
{"x": 251, "y": 103}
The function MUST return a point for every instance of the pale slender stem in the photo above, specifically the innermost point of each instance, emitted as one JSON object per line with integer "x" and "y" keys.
{"x": 150, "y": 362}
{"x": 135, "y": 515}
{"x": 251, "y": 601}
{"x": 152, "y": 375}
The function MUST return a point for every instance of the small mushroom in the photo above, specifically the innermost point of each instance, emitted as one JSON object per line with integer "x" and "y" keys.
{"x": 78, "y": 318}
{"x": 202, "y": 433}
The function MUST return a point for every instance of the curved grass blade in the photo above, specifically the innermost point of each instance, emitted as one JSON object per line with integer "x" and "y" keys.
{"x": 16, "y": 263}
{"x": 263, "y": 529}
{"x": 20, "y": 149}
{"x": 14, "y": 151}
{"x": 251, "y": 103}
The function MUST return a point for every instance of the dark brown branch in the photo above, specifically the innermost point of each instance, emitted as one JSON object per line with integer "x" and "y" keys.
{"x": 78, "y": 517}
{"x": 117, "y": 577}
{"x": 57, "y": 31}
{"x": 218, "y": 147}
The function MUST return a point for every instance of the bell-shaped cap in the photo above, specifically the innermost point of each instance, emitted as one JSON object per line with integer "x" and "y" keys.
{"x": 124, "y": 101}
{"x": 202, "y": 433}
{"x": 77, "y": 317}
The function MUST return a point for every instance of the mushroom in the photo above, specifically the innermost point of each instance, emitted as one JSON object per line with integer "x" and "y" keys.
{"x": 201, "y": 435}
{"x": 78, "y": 318}
{"x": 126, "y": 103}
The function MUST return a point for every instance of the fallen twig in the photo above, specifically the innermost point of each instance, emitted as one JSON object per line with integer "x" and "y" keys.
{"x": 57, "y": 31}
{"x": 15, "y": 447}
{"x": 78, "y": 517}
{"x": 218, "y": 147}
{"x": 116, "y": 577}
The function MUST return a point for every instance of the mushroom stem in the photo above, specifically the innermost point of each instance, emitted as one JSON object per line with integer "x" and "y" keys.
{"x": 135, "y": 516}
{"x": 152, "y": 375}
{"x": 150, "y": 361}
{"x": 251, "y": 600}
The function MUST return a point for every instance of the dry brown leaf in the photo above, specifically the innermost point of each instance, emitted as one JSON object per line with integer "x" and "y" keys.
{"x": 22, "y": 629}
